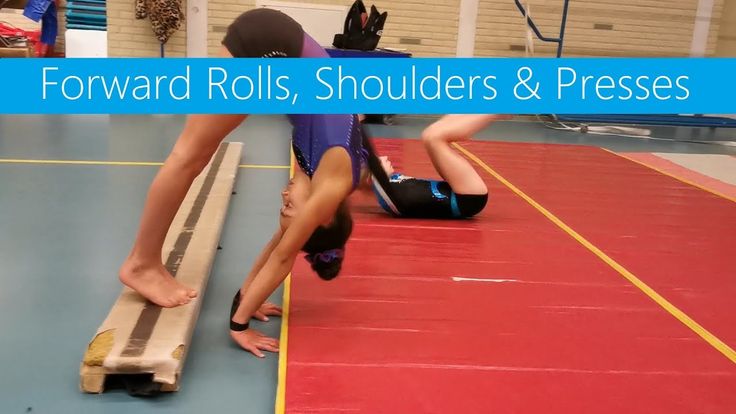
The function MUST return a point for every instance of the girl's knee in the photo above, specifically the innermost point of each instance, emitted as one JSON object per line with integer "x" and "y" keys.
{"x": 436, "y": 133}
{"x": 447, "y": 129}
{"x": 192, "y": 160}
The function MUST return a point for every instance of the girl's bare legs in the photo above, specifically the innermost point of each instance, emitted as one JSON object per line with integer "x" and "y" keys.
{"x": 143, "y": 270}
{"x": 453, "y": 167}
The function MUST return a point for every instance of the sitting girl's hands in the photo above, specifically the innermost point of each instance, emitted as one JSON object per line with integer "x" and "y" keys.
{"x": 387, "y": 166}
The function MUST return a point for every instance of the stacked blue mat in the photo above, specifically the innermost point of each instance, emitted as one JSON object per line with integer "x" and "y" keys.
{"x": 660, "y": 120}
{"x": 86, "y": 15}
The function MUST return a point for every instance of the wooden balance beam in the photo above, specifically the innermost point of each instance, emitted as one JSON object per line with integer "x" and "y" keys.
{"x": 141, "y": 340}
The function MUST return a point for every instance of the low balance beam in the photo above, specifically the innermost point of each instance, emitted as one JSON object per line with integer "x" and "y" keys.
{"x": 141, "y": 340}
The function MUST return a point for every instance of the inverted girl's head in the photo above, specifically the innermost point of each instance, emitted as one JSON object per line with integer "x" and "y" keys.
{"x": 326, "y": 246}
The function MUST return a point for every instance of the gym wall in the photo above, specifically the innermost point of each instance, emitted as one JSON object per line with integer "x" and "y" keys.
{"x": 429, "y": 28}
{"x": 727, "y": 35}
{"x": 220, "y": 13}
{"x": 632, "y": 28}
{"x": 15, "y": 17}
{"x": 12, "y": 13}
{"x": 426, "y": 28}
{"x": 129, "y": 37}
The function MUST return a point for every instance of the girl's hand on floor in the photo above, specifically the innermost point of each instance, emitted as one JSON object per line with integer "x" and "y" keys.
{"x": 254, "y": 342}
{"x": 266, "y": 310}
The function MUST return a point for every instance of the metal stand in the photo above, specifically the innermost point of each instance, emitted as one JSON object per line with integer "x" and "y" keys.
{"x": 663, "y": 120}
{"x": 559, "y": 40}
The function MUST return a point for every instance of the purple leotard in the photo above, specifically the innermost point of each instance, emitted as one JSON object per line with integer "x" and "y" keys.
{"x": 315, "y": 134}
{"x": 270, "y": 33}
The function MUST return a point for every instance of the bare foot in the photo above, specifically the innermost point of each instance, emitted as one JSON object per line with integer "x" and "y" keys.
{"x": 156, "y": 284}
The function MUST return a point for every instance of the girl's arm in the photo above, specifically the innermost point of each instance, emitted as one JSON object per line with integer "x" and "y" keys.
{"x": 265, "y": 308}
{"x": 261, "y": 259}
{"x": 331, "y": 184}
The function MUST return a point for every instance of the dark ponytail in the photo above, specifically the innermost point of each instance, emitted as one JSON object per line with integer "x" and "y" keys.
{"x": 326, "y": 247}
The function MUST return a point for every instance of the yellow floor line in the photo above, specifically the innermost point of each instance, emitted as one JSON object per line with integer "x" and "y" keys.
{"x": 684, "y": 180}
{"x": 280, "y": 403}
{"x": 264, "y": 166}
{"x": 719, "y": 345}
{"x": 122, "y": 163}
{"x": 283, "y": 343}
{"x": 80, "y": 162}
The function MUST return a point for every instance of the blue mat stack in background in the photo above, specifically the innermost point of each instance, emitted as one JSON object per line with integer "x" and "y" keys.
{"x": 86, "y": 15}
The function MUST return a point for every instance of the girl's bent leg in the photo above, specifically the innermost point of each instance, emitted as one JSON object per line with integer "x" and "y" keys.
{"x": 453, "y": 167}
{"x": 143, "y": 270}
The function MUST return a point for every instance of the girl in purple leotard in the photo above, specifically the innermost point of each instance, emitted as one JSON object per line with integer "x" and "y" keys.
{"x": 314, "y": 216}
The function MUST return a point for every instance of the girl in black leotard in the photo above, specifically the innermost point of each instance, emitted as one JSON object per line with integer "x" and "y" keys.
{"x": 462, "y": 193}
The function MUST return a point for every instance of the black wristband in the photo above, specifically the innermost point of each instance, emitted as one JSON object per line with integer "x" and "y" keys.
{"x": 238, "y": 327}
{"x": 236, "y": 303}
{"x": 234, "y": 326}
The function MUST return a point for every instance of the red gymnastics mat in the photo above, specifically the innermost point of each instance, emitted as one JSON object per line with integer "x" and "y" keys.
{"x": 520, "y": 310}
